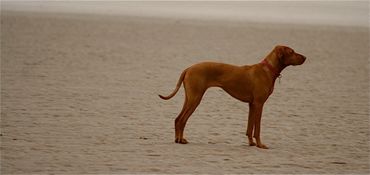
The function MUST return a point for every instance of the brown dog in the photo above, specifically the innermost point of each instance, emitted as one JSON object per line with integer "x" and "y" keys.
{"x": 251, "y": 83}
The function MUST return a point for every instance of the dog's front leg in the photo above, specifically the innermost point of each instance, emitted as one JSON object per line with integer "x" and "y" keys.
{"x": 256, "y": 109}
{"x": 250, "y": 126}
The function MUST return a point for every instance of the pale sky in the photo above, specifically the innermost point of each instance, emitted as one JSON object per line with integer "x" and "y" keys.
{"x": 348, "y": 13}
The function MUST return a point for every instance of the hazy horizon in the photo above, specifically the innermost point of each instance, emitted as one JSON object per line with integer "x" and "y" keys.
{"x": 348, "y": 13}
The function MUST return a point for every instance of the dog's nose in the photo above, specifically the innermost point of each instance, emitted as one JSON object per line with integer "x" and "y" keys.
{"x": 304, "y": 59}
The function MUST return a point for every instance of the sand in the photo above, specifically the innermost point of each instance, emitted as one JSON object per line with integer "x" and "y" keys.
{"x": 79, "y": 95}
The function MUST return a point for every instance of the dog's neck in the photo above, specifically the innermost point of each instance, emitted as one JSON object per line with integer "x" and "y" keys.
{"x": 273, "y": 65}
{"x": 275, "y": 72}
{"x": 274, "y": 69}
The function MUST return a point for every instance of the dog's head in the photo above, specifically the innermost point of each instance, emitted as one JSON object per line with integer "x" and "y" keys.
{"x": 287, "y": 56}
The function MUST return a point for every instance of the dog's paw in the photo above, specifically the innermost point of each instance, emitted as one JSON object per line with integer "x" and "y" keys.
{"x": 252, "y": 144}
{"x": 262, "y": 146}
{"x": 181, "y": 141}
{"x": 184, "y": 141}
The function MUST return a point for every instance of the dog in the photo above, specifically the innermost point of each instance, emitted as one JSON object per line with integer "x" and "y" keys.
{"x": 252, "y": 84}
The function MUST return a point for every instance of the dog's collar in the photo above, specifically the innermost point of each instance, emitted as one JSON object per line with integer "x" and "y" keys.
{"x": 274, "y": 71}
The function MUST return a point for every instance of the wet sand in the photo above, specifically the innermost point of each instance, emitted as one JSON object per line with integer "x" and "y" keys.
{"x": 79, "y": 95}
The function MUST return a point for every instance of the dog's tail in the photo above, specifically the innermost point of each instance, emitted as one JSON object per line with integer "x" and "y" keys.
{"x": 179, "y": 82}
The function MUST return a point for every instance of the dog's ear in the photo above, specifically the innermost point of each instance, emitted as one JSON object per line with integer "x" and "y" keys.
{"x": 279, "y": 51}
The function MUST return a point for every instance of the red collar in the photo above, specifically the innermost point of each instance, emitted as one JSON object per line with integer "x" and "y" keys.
{"x": 271, "y": 68}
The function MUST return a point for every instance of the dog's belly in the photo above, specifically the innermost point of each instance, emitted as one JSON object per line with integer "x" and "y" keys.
{"x": 241, "y": 95}
{"x": 235, "y": 81}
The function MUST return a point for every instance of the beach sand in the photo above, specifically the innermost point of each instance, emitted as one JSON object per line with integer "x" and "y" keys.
{"x": 79, "y": 95}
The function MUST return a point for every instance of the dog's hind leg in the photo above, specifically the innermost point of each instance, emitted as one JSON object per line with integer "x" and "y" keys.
{"x": 193, "y": 95}
{"x": 189, "y": 109}
{"x": 177, "y": 122}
